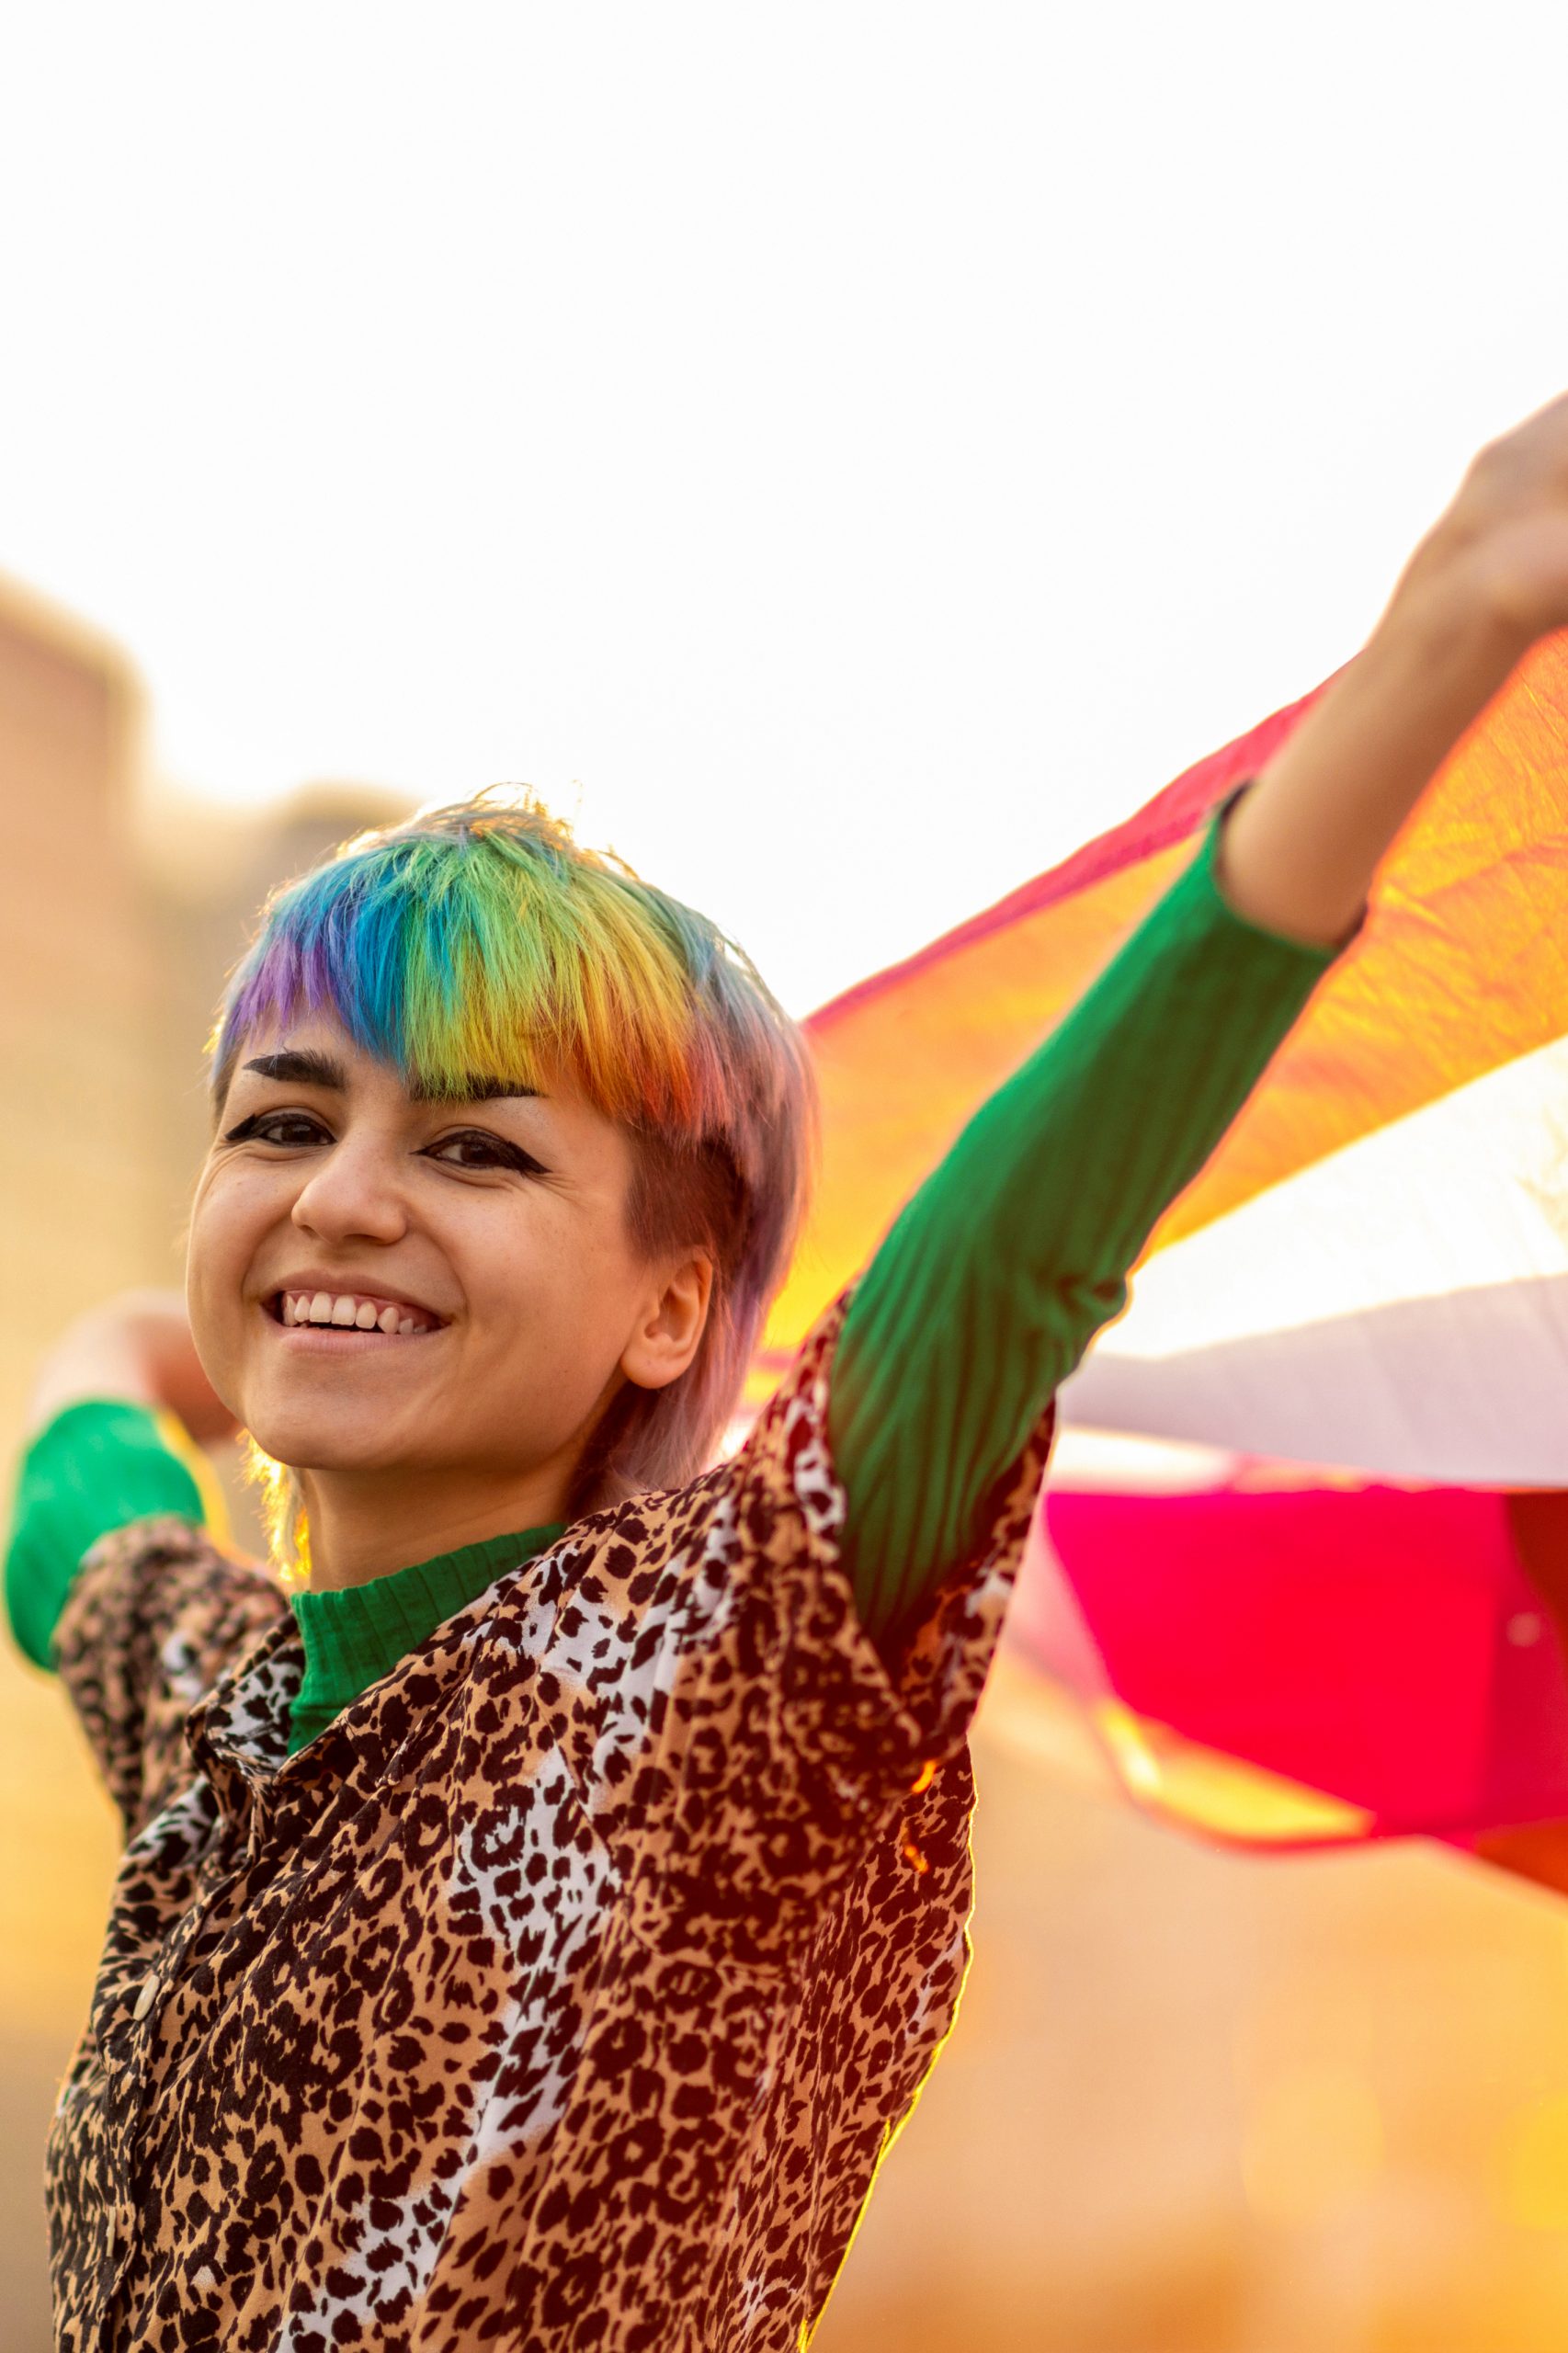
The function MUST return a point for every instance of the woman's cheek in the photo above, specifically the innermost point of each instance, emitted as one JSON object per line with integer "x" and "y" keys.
{"x": 216, "y": 1263}
{"x": 216, "y": 1339}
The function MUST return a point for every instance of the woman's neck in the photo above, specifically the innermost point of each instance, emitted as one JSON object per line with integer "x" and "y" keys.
{"x": 364, "y": 1525}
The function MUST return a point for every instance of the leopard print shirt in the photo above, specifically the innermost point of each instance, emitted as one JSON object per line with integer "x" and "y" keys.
{"x": 564, "y": 1991}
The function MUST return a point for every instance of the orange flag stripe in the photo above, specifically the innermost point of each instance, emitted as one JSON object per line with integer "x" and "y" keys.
{"x": 1463, "y": 965}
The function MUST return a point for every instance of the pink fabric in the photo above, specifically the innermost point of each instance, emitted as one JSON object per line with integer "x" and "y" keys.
{"x": 1379, "y": 1644}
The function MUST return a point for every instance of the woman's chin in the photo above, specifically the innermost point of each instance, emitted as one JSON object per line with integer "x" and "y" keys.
{"x": 324, "y": 1442}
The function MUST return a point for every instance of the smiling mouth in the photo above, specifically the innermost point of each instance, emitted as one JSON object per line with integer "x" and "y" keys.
{"x": 361, "y": 1312}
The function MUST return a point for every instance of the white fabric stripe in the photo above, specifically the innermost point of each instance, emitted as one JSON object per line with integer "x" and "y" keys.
{"x": 1400, "y": 1308}
{"x": 1110, "y": 1462}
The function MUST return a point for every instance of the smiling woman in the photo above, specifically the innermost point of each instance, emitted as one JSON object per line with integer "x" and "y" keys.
{"x": 485, "y": 959}
{"x": 520, "y": 1304}
{"x": 508, "y": 1154}
{"x": 535, "y": 1928}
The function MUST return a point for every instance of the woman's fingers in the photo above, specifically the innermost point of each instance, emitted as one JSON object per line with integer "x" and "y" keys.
{"x": 1501, "y": 547}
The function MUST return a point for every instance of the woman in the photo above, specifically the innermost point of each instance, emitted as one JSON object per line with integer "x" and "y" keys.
{"x": 534, "y": 1929}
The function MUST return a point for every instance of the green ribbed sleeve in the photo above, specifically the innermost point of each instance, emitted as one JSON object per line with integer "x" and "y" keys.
{"x": 1017, "y": 1248}
{"x": 94, "y": 1468}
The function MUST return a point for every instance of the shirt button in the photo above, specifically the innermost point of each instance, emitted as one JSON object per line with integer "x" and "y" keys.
{"x": 145, "y": 1999}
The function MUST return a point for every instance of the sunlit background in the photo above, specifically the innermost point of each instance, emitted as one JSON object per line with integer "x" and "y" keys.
{"x": 850, "y": 454}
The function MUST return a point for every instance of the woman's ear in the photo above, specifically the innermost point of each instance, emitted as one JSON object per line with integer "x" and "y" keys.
{"x": 673, "y": 1319}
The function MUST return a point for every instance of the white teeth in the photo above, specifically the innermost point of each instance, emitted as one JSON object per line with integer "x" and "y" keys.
{"x": 347, "y": 1312}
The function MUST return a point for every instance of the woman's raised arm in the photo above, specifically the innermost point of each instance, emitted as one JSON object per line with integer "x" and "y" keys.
{"x": 1016, "y": 1251}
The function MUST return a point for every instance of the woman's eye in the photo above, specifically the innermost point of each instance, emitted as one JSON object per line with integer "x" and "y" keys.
{"x": 278, "y": 1127}
{"x": 475, "y": 1149}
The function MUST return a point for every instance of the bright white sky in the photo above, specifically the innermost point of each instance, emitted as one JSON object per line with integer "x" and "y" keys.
{"x": 865, "y": 448}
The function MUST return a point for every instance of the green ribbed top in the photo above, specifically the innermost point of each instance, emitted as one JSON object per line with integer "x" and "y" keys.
{"x": 354, "y": 1636}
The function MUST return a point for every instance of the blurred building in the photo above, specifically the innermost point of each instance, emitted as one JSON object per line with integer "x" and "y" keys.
{"x": 78, "y": 985}
{"x": 122, "y": 909}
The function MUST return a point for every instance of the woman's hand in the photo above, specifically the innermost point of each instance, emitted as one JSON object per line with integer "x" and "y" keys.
{"x": 136, "y": 1345}
{"x": 1298, "y": 852}
{"x": 1501, "y": 549}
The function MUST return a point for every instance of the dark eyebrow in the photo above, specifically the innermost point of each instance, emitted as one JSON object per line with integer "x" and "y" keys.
{"x": 303, "y": 1066}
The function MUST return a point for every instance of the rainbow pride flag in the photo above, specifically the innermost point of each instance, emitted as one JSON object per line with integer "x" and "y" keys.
{"x": 1371, "y": 1274}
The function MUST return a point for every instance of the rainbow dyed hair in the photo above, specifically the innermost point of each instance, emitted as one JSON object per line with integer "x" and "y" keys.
{"x": 482, "y": 941}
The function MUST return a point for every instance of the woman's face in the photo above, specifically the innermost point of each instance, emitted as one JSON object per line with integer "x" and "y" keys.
{"x": 481, "y": 1248}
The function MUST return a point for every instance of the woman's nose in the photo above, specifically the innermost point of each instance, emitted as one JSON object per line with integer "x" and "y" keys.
{"x": 354, "y": 1189}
